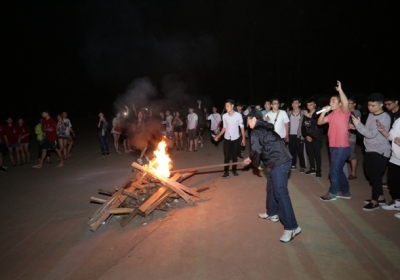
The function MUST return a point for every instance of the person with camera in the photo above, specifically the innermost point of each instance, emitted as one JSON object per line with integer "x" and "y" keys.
{"x": 377, "y": 148}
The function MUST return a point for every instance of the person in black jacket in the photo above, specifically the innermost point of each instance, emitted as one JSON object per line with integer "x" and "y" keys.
{"x": 312, "y": 134}
{"x": 269, "y": 148}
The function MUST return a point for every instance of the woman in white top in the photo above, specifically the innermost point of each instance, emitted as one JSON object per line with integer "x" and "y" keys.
{"x": 116, "y": 131}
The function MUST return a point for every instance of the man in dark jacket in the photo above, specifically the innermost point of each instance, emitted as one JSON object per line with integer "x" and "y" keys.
{"x": 312, "y": 134}
{"x": 268, "y": 148}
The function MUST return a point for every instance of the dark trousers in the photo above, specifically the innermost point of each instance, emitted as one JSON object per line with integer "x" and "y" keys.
{"x": 104, "y": 147}
{"x": 314, "y": 153}
{"x": 374, "y": 167}
{"x": 393, "y": 182}
{"x": 296, "y": 147}
{"x": 278, "y": 199}
{"x": 231, "y": 149}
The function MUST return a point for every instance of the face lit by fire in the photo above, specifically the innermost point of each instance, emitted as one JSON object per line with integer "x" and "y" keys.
{"x": 163, "y": 161}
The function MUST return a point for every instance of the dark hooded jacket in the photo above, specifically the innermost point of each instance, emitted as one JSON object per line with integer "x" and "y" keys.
{"x": 267, "y": 146}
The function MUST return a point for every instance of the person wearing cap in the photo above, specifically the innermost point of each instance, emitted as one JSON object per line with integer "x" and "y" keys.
{"x": 268, "y": 148}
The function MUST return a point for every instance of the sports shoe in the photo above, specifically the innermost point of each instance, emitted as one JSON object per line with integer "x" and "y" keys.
{"x": 318, "y": 174}
{"x": 380, "y": 202}
{"x": 273, "y": 218}
{"x": 288, "y": 235}
{"x": 235, "y": 173}
{"x": 394, "y": 205}
{"x": 343, "y": 195}
{"x": 293, "y": 167}
{"x": 2, "y": 169}
{"x": 397, "y": 215}
{"x": 226, "y": 175}
{"x": 384, "y": 185}
{"x": 309, "y": 172}
{"x": 302, "y": 170}
{"x": 371, "y": 207}
{"x": 201, "y": 145}
{"x": 140, "y": 161}
{"x": 328, "y": 197}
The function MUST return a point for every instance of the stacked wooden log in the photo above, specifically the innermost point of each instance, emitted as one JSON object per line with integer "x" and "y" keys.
{"x": 144, "y": 192}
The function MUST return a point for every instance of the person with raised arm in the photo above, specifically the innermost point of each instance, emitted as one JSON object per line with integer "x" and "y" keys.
{"x": 339, "y": 145}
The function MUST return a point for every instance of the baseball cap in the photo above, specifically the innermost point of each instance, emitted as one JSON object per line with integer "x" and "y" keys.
{"x": 255, "y": 113}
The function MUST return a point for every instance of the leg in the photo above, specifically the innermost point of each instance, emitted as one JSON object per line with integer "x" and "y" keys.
{"x": 311, "y": 155}
{"x": 18, "y": 152}
{"x": 11, "y": 154}
{"x": 26, "y": 150}
{"x": 235, "y": 151}
{"x": 68, "y": 147}
{"x": 338, "y": 179}
{"x": 393, "y": 180}
{"x": 271, "y": 202}
{"x": 280, "y": 176}
{"x": 292, "y": 149}
{"x": 58, "y": 151}
{"x": 353, "y": 160}
{"x": 227, "y": 153}
{"x": 317, "y": 152}
{"x": 375, "y": 165}
{"x": 61, "y": 145}
{"x": 300, "y": 152}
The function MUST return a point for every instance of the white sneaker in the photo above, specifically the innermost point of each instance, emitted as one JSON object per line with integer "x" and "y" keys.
{"x": 391, "y": 206}
{"x": 288, "y": 235}
{"x": 397, "y": 215}
{"x": 140, "y": 161}
{"x": 273, "y": 218}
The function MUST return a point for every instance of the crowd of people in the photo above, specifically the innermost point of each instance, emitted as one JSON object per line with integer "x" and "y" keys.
{"x": 50, "y": 135}
{"x": 298, "y": 129}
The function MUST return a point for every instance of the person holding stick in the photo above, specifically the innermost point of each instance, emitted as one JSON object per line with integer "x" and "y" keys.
{"x": 269, "y": 148}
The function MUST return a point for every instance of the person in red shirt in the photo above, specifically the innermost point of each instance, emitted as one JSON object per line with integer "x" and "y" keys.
{"x": 3, "y": 148}
{"x": 13, "y": 141}
{"x": 50, "y": 141}
{"x": 25, "y": 132}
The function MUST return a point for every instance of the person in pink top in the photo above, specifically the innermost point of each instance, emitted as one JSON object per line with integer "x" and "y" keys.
{"x": 339, "y": 145}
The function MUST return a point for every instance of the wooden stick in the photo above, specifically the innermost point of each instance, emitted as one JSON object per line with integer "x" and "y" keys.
{"x": 194, "y": 169}
{"x": 97, "y": 200}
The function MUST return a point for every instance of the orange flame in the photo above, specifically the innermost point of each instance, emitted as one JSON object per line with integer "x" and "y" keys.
{"x": 163, "y": 161}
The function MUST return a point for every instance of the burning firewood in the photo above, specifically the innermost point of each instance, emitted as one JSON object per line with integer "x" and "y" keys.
{"x": 148, "y": 189}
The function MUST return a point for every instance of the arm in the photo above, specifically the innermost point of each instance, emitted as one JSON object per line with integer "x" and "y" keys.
{"x": 370, "y": 133}
{"x": 243, "y": 136}
{"x": 287, "y": 132}
{"x": 343, "y": 97}
{"x": 134, "y": 109}
{"x": 322, "y": 120}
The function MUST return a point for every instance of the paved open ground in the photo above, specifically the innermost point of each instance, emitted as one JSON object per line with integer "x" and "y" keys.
{"x": 44, "y": 231}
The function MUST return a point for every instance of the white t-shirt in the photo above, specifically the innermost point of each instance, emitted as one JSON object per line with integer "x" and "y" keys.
{"x": 168, "y": 120}
{"x": 68, "y": 126}
{"x": 395, "y": 132}
{"x": 231, "y": 125}
{"x": 280, "y": 122}
{"x": 192, "y": 120}
{"x": 215, "y": 120}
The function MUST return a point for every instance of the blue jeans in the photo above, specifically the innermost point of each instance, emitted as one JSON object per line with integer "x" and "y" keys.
{"x": 338, "y": 178}
{"x": 103, "y": 142}
{"x": 278, "y": 199}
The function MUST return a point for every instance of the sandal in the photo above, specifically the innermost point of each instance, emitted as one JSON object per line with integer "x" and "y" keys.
{"x": 37, "y": 166}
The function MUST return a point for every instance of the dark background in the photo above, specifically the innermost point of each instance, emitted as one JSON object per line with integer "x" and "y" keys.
{"x": 85, "y": 56}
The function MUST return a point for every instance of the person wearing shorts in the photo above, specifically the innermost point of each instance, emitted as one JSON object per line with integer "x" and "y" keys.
{"x": 13, "y": 141}
{"x": 191, "y": 126}
{"x": 50, "y": 141}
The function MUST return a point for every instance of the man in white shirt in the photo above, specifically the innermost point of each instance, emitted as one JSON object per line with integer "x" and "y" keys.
{"x": 279, "y": 119}
{"x": 215, "y": 119}
{"x": 191, "y": 126}
{"x": 232, "y": 121}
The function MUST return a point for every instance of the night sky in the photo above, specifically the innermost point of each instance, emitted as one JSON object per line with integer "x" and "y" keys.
{"x": 85, "y": 56}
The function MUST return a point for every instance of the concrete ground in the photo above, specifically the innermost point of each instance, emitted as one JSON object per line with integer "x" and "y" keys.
{"x": 44, "y": 232}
